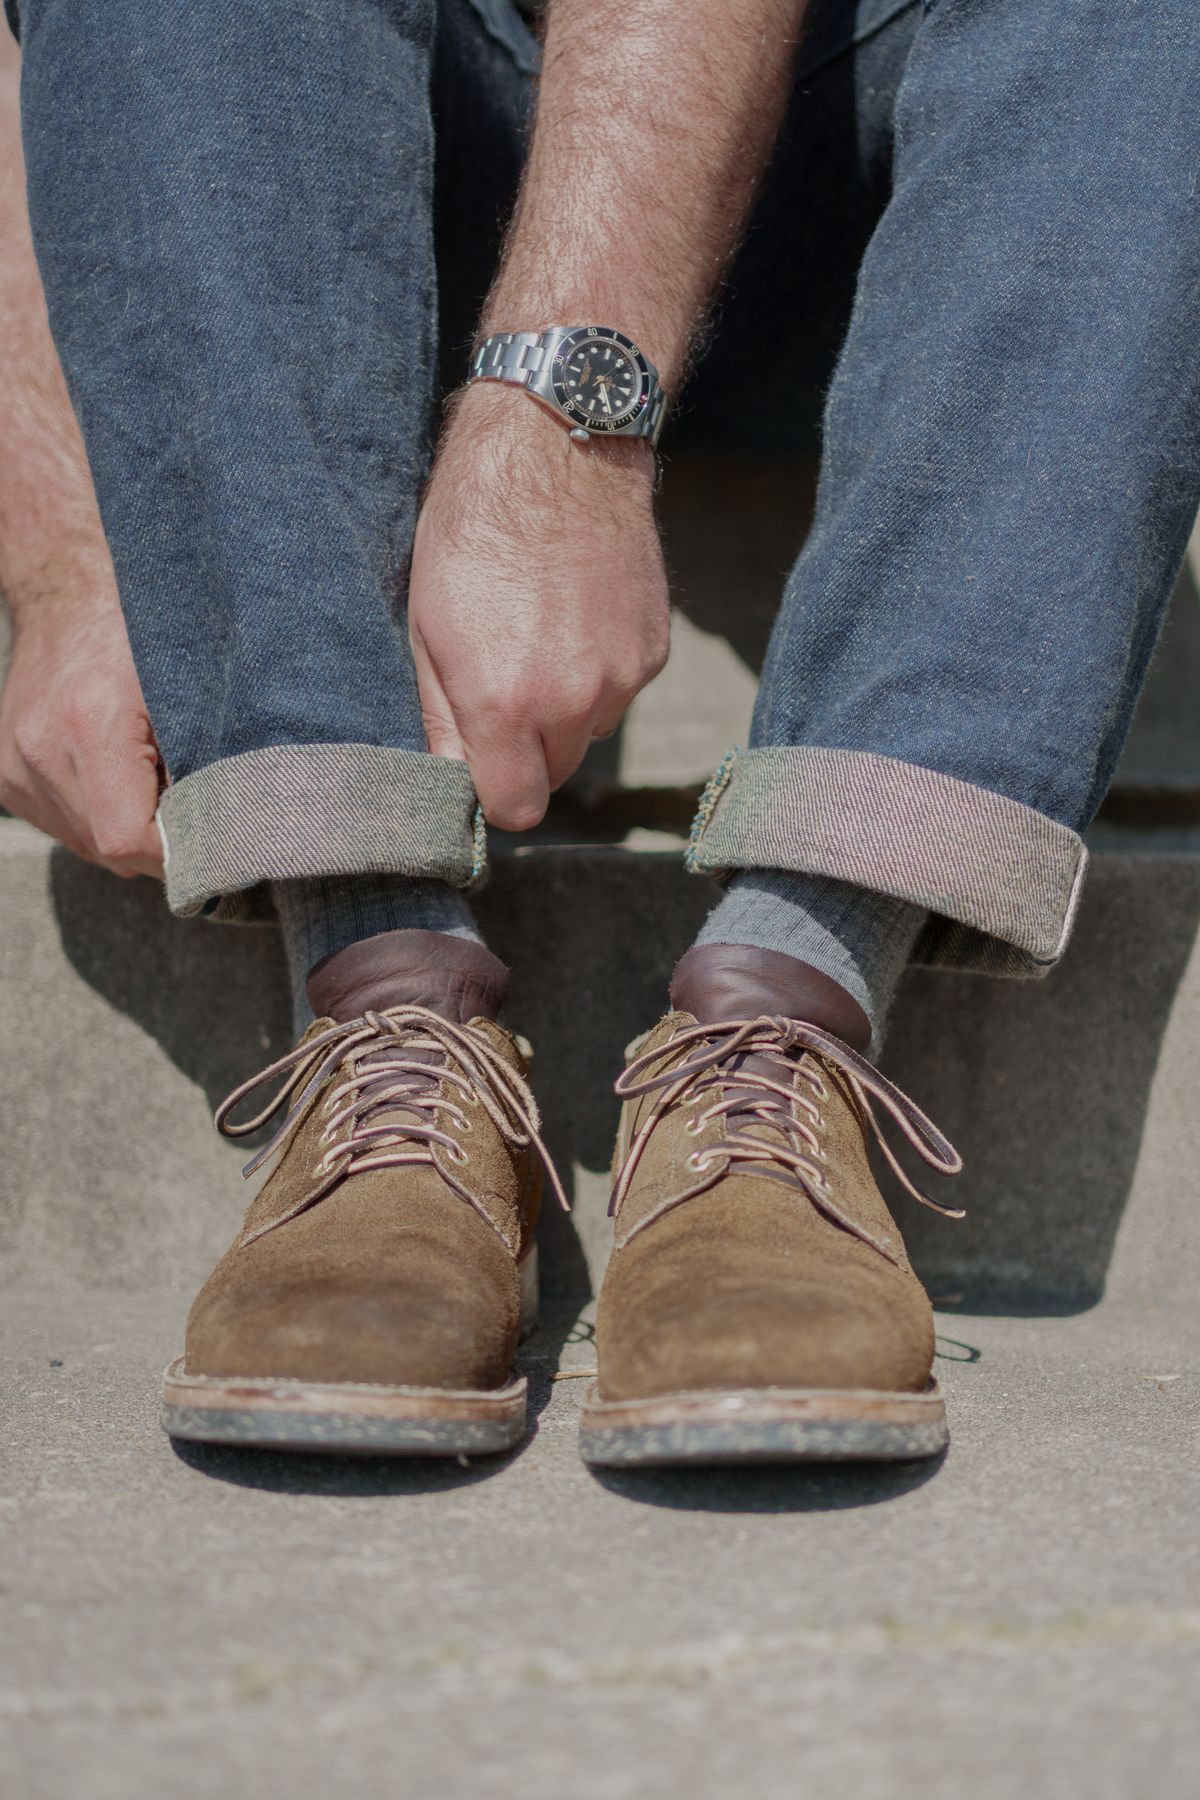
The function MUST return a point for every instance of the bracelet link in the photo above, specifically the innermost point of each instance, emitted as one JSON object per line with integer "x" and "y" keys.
{"x": 523, "y": 359}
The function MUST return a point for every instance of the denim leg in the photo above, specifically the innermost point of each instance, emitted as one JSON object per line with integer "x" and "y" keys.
{"x": 233, "y": 209}
{"x": 1011, "y": 467}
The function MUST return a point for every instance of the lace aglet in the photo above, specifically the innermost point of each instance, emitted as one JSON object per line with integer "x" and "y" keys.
{"x": 256, "y": 1162}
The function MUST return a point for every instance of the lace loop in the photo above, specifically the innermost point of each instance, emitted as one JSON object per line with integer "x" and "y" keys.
{"x": 396, "y": 1062}
{"x": 744, "y": 1095}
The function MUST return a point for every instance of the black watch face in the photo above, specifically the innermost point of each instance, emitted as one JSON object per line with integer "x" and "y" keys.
{"x": 600, "y": 378}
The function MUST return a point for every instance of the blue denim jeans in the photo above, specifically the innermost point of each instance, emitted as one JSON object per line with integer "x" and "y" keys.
{"x": 264, "y": 228}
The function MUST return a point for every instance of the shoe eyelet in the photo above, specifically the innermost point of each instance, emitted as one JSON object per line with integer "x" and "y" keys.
{"x": 698, "y": 1161}
{"x": 694, "y": 1127}
{"x": 459, "y": 1156}
{"x": 820, "y": 1122}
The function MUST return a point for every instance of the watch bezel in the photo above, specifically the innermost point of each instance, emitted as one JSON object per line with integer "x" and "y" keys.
{"x": 565, "y": 349}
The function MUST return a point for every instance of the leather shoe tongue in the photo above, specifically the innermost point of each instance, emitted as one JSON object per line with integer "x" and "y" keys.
{"x": 719, "y": 982}
{"x": 453, "y": 976}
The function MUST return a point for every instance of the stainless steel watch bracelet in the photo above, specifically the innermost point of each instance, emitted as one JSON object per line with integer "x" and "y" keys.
{"x": 526, "y": 359}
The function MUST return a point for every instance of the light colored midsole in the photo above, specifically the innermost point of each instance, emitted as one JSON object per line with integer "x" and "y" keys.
{"x": 765, "y": 1406}
{"x": 360, "y": 1400}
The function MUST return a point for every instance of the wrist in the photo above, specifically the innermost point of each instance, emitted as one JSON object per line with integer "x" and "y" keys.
{"x": 53, "y": 552}
{"x": 524, "y": 441}
{"x": 62, "y": 581}
{"x": 527, "y": 306}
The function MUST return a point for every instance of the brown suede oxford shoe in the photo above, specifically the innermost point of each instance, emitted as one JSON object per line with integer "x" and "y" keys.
{"x": 374, "y": 1298}
{"x": 759, "y": 1304}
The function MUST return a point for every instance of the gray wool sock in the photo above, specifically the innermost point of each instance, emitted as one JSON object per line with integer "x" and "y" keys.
{"x": 860, "y": 939}
{"x": 327, "y": 912}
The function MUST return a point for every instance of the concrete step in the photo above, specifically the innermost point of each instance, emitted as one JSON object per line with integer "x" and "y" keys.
{"x": 1073, "y": 1100}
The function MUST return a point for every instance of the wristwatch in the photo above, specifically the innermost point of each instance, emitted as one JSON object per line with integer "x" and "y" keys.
{"x": 594, "y": 377}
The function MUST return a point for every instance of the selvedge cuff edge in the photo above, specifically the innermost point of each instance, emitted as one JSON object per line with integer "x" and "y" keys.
{"x": 1000, "y": 880}
{"x": 299, "y": 810}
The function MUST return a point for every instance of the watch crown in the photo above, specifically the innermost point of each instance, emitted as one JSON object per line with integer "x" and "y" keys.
{"x": 579, "y": 435}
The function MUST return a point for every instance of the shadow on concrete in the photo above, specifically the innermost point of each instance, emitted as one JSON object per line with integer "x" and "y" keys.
{"x": 1162, "y": 756}
{"x": 215, "y": 997}
{"x": 1044, "y": 1088}
{"x": 348, "y": 1477}
{"x": 592, "y": 942}
{"x": 733, "y": 526}
{"x": 1043, "y": 1085}
{"x": 830, "y": 1487}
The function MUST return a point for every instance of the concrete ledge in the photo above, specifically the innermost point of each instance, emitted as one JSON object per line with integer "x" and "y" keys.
{"x": 1073, "y": 1100}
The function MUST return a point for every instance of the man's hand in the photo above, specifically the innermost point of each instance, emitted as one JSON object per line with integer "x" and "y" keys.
{"x": 538, "y": 599}
{"x": 77, "y": 755}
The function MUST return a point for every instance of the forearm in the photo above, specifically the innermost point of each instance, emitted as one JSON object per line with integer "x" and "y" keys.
{"x": 655, "y": 120}
{"x": 51, "y": 538}
{"x": 538, "y": 601}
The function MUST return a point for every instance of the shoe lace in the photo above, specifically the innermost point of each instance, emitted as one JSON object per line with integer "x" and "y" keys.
{"x": 769, "y": 1085}
{"x": 400, "y": 1060}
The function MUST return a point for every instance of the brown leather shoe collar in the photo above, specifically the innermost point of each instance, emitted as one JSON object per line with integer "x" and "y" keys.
{"x": 452, "y": 976}
{"x": 716, "y": 982}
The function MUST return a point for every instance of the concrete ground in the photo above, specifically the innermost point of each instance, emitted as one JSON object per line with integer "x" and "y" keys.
{"x": 1021, "y": 1619}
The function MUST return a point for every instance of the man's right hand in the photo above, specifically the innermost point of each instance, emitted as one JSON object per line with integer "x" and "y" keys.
{"x": 77, "y": 755}
{"x": 538, "y": 600}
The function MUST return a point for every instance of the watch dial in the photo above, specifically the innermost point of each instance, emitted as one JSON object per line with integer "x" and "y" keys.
{"x": 601, "y": 381}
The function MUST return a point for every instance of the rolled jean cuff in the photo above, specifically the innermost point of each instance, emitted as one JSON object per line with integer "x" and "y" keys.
{"x": 1000, "y": 880}
{"x": 299, "y": 810}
